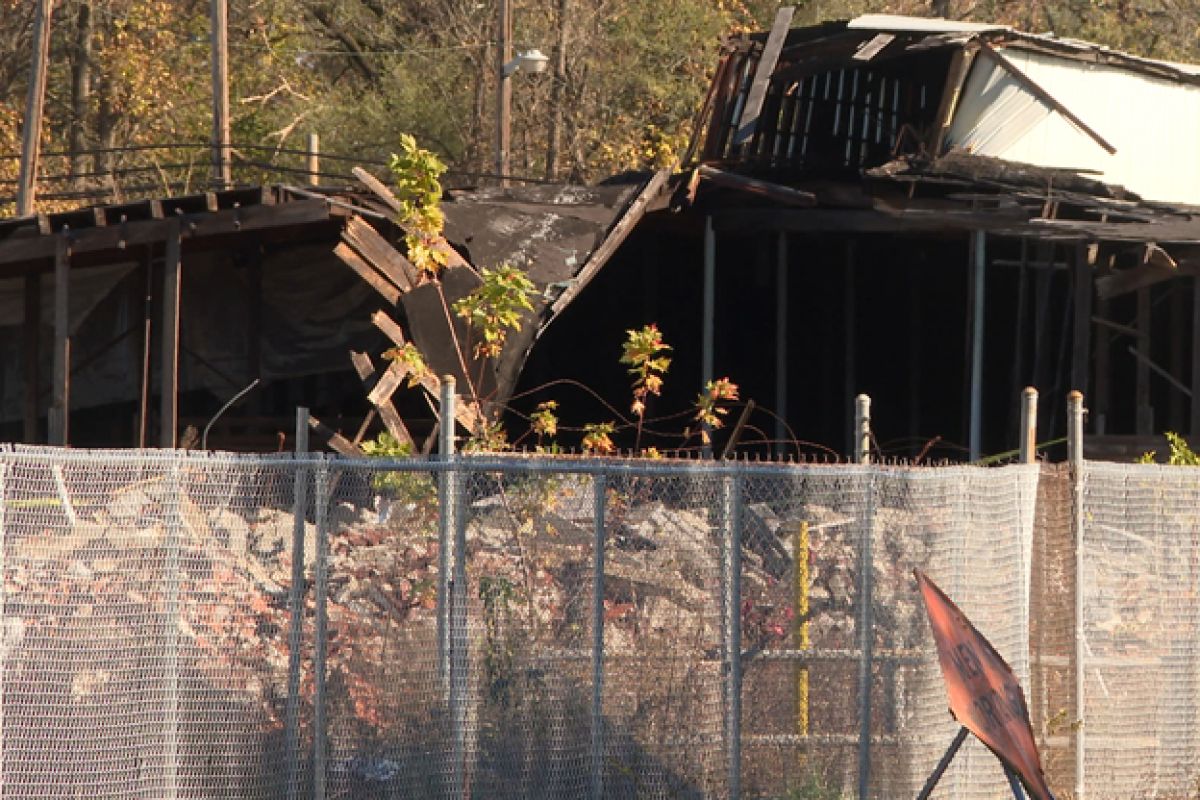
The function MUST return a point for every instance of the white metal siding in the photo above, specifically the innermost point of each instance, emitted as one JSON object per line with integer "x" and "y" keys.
{"x": 1154, "y": 124}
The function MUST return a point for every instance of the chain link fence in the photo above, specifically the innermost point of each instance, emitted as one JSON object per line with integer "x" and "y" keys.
{"x": 178, "y": 625}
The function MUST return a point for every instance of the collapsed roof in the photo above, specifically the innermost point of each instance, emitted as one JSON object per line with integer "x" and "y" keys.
{"x": 906, "y": 124}
{"x": 848, "y": 97}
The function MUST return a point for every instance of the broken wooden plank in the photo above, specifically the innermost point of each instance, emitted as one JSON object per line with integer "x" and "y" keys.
{"x": 380, "y": 254}
{"x": 395, "y": 426}
{"x": 748, "y": 123}
{"x": 335, "y": 440}
{"x": 388, "y": 383}
{"x": 1157, "y": 266}
{"x": 362, "y": 365}
{"x": 389, "y": 327}
{"x": 378, "y": 188}
{"x": 387, "y": 412}
{"x": 367, "y": 273}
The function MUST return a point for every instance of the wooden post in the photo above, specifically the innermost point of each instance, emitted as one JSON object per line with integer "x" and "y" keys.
{"x": 557, "y": 91}
{"x": 31, "y": 133}
{"x": 254, "y": 298}
{"x": 781, "y": 342}
{"x": 31, "y": 352}
{"x": 915, "y": 294}
{"x": 1081, "y": 344}
{"x": 708, "y": 314}
{"x": 503, "y": 89}
{"x": 1144, "y": 411}
{"x": 314, "y": 159}
{"x": 1175, "y": 401}
{"x": 147, "y": 345}
{"x": 60, "y": 402}
{"x": 1102, "y": 347}
{"x": 81, "y": 90}
{"x": 222, "y": 172}
{"x": 1019, "y": 329}
{"x": 172, "y": 263}
{"x": 849, "y": 377}
{"x": 1195, "y": 427}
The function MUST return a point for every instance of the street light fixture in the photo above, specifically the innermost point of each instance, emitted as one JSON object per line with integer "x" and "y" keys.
{"x": 533, "y": 61}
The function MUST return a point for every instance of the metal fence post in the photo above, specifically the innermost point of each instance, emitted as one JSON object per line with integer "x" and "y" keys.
{"x": 1029, "y": 400}
{"x": 7, "y": 643}
{"x": 446, "y": 514}
{"x": 320, "y": 625}
{"x": 599, "y": 488}
{"x": 862, "y": 429}
{"x": 866, "y": 639}
{"x": 732, "y": 514}
{"x": 459, "y": 641}
{"x": 296, "y": 608}
{"x": 1075, "y": 414}
{"x": 171, "y": 712}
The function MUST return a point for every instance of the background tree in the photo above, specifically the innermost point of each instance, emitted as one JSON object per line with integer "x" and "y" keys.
{"x": 128, "y": 101}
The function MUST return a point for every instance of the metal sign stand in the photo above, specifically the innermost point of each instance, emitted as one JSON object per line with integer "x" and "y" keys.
{"x": 942, "y": 765}
{"x": 1014, "y": 783}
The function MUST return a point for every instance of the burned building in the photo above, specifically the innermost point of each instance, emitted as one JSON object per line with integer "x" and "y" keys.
{"x": 934, "y": 213}
{"x": 938, "y": 214}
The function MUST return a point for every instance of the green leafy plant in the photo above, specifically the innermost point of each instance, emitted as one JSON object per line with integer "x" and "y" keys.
{"x": 490, "y": 437}
{"x": 496, "y": 307}
{"x": 644, "y": 350}
{"x": 410, "y": 356}
{"x": 544, "y": 424}
{"x": 709, "y": 411}
{"x": 1180, "y": 453}
{"x": 407, "y": 487}
{"x": 416, "y": 175}
{"x": 597, "y": 439}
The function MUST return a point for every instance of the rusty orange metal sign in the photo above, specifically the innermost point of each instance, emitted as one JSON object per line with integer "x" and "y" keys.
{"x": 984, "y": 694}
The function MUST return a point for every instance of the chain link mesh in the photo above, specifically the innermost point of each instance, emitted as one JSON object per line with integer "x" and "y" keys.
{"x": 1141, "y": 627}
{"x": 209, "y": 626}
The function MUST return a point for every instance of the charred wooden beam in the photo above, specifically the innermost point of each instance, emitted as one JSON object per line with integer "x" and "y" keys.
{"x": 380, "y": 254}
{"x": 191, "y": 227}
{"x": 768, "y": 189}
{"x": 368, "y": 273}
{"x": 748, "y": 124}
{"x": 31, "y": 353}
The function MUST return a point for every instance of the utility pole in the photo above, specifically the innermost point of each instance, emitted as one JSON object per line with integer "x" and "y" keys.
{"x": 222, "y": 172}
{"x": 503, "y": 90}
{"x": 557, "y": 93}
{"x": 31, "y": 133}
